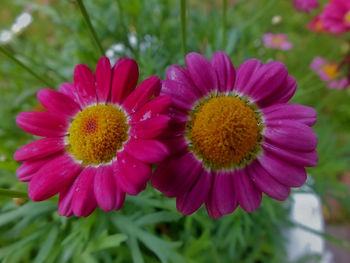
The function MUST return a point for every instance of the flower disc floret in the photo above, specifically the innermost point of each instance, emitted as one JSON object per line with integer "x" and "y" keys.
{"x": 347, "y": 17}
{"x": 224, "y": 132}
{"x": 97, "y": 133}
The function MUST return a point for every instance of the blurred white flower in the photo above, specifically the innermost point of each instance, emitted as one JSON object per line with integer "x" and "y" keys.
{"x": 22, "y": 22}
{"x": 114, "y": 52}
{"x": 5, "y": 36}
{"x": 118, "y": 50}
{"x": 132, "y": 39}
{"x": 148, "y": 40}
{"x": 276, "y": 20}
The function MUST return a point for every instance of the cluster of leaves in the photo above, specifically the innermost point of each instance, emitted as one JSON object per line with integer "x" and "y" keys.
{"x": 148, "y": 228}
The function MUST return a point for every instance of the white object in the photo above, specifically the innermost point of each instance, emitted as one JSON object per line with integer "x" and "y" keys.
{"x": 276, "y": 20}
{"x": 22, "y": 22}
{"x": 306, "y": 211}
{"x": 5, "y": 36}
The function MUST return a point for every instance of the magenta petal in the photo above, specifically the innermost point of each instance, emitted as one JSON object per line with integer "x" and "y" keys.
{"x": 202, "y": 73}
{"x": 44, "y": 124}
{"x": 58, "y": 103}
{"x": 308, "y": 159}
{"x": 84, "y": 202}
{"x": 192, "y": 200}
{"x": 249, "y": 197}
{"x": 142, "y": 94}
{"x": 266, "y": 183}
{"x": 175, "y": 129}
{"x": 295, "y": 112}
{"x": 158, "y": 105}
{"x": 176, "y": 144}
{"x": 150, "y": 128}
{"x": 65, "y": 200}
{"x": 125, "y": 184}
{"x": 103, "y": 74}
{"x": 84, "y": 82}
{"x": 181, "y": 96}
{"x": 291, "y": 135}
{"x": 284, "y": 93}
{"x": 27, "y": 170}
{"x": 104, "y": 187}
{"x": 178, "y": 115}
{"x": 181, "y": 75}
{"x": 148, "y": 151}
{"x": 53, "y": 177}
{"x": 266, "y": 81}
{"x": 244, "y": 73}
{"x": 225, "y": 71}
{"x": 305, "y": 6}
{"x": 285, "y": 173}
{"x": 288, "y": 90}
{"x": 39, "y": 149}
{"x": 176, "y": 175}
{"x": 69, "y": 90}
{"x": 222, "y": 199}
{"x": 119, "y": 198}
{"x": 124, "y": 79}
{"x": 132, "y": 175}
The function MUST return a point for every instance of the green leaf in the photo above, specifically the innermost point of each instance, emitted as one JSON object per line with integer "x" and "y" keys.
{"x": 8, "y": 250}
{"x": 158, "y": 217}
{"x": 27, "y": 209}
{"x": 105, "y": 241}
{"x": 164, "y": 250}
{"x": 135, "y": 250}
{"x": 46, "y": 247}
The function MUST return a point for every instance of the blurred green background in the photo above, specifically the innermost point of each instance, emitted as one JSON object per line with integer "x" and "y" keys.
{"x": 148, "y": 228}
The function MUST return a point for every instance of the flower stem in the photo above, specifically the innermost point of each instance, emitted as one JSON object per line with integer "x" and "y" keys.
{"x": 19, "y": 63}
{"x": 13, "y": 194}
{"x": 224, "y": 23}
{"x": 18, "y": 194}
{"x": 125, "y": 30}
{"x": 183, "y": 25}
{"x": 91, "y": 29}
{"x": 335, "y": 240}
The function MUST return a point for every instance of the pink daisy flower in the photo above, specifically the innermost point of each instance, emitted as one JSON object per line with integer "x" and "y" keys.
{"x": 316, "y": 24}
{"x": 233, "y": 135}
{"x": 277, "y": 41}
{"x": 100, "y": 138}
{"x": 329, "y": 72}
{"x": 326, "y": 70}
{"x": 305, "y": 5}
{"x": 336, "y": 16}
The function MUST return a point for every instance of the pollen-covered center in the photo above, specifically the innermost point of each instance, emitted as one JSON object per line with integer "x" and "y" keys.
{"x": 224, "y": 132}
{"x": 277, "y": 40}
{"x": 319, "y": 25}
{"x": 347, "y": 17}
{"x": 331, "y": 70}
{"x": 96, "y": 134}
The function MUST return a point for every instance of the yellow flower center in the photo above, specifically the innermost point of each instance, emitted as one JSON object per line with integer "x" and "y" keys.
{"x": 224, "y": 132}
{"x": 96, "y": 134}
{"x": 277, "y": 40}
{"x": 319, "y": 26}
{"x": 347, "y": 17}
{"x": 331, "y": 70}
